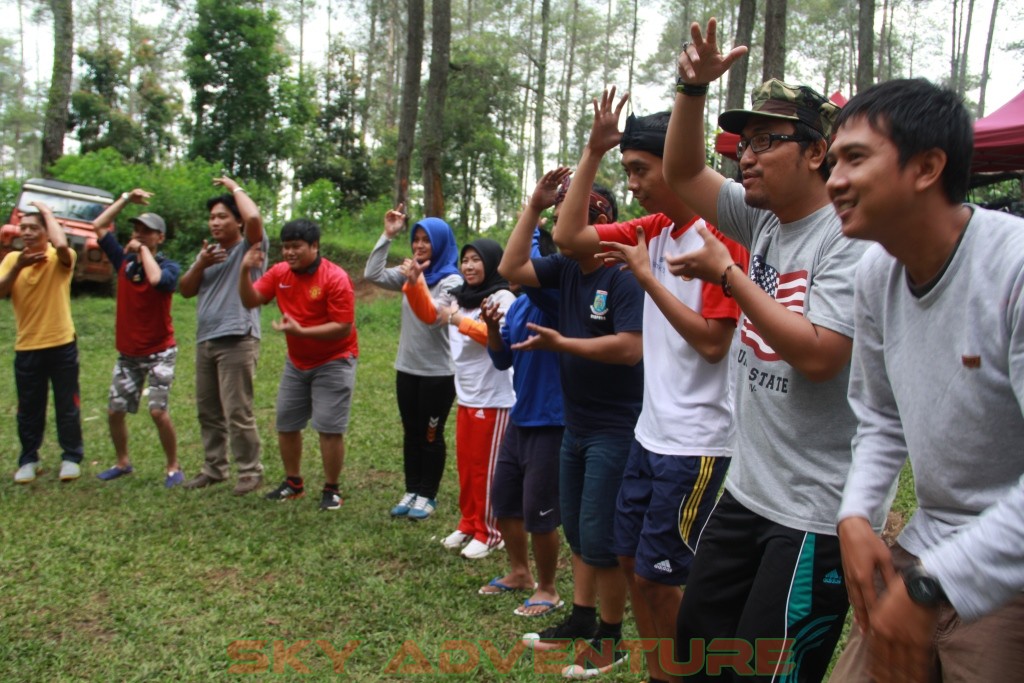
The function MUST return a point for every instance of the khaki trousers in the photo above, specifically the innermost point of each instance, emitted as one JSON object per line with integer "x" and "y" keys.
{"x": 224, "y": 395}
{"x": 989, "y": 649}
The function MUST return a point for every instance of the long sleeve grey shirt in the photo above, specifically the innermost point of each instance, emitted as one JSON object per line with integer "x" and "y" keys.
{"x": 940, "y": 379}
{"x": 423, "y": 350}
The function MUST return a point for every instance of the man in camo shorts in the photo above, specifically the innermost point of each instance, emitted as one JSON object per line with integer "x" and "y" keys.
{"x": 144, "y": 334}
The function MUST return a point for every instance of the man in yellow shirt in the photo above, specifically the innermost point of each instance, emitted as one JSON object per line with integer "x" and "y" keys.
{"x": 38, "y": 280}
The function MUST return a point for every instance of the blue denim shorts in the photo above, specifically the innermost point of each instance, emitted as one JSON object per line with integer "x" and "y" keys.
{"x": 590, "y": 474}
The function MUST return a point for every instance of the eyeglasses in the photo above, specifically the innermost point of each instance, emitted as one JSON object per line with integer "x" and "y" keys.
{"x": 763, "y": 142}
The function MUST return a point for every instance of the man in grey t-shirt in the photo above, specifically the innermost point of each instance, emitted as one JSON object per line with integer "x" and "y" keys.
{"x": 938, "y": 377}
{"x": 227, "y": 340}
{"x": 767, "y": 566}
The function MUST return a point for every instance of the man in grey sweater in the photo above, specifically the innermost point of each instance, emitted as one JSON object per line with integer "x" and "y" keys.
{"x": 937, "y": 376}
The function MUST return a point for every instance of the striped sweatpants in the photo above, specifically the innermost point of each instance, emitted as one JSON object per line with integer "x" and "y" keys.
{"x": 764, "y": 602}
{"x": 478, "y": 436}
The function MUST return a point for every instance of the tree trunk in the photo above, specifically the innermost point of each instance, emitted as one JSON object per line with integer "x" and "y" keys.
{"x": 542, "y": 80}
{"x": 865, "y": 44}
{"x": 954, "y": 59}
{"x": 369, "y": 72}
{"x": 525, "y": 112}
{"x": 737, "y": 88}
{"x": 882, "y": 42}
{"x": 961, "y": 79}
{"x": 432, "y": 131}
{"x": 774, "y": 40}
{"x": 563, "y": 114}
{"x": 410, "y": 102}
{"x": 988, "y": 52}
{"x": 60, "y": 82}
{"x": 632, "y": 48}
{"x": 606, "y": 75}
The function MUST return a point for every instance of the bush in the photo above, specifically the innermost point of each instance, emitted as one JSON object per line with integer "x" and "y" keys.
{"x": 9, "y": 188}
{"x": 179, "y": 191}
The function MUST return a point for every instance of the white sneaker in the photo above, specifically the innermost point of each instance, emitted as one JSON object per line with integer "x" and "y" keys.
{"x": 478, "y": 550}
{"x": 422, "y": 508}
{"x": 26, "y": 473}
{"x": 455, "y": 540}
{"x": 69, "y": 471}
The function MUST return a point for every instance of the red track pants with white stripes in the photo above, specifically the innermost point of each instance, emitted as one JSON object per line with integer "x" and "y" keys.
{"x": 478, "y": 436}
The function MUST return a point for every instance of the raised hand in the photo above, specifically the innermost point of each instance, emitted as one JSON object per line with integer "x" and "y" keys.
{"x": 43, "y": 207}
{"x": 604, "y": 132}
{"x": 413, "y": 269}
{"x": 28, "y": 259}
{"x": 490, "y": 314}
{"x": 394, "y": 221}
{"x": 546, "y": 191}
{"x": 138, "y": 196}
{"x": 211, "y": 254}
{"x": 707, "y": 263}
{"x": 634, "y": 258}
{"x": 542, "y": 339}
{"x": 253, "y": 257}
{"x": 701, "y": 61}
{"x": 226, "y": 182}
{"x": 286, "y": 325}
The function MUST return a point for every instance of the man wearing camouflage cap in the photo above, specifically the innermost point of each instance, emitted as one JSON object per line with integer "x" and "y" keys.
{"x": 767, "y": 566}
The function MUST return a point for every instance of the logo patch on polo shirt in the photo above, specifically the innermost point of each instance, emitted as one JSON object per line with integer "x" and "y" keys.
{"x": 599, "y": 308}
{"x": 315, "y": 292}
{"x": 971, "y": 362}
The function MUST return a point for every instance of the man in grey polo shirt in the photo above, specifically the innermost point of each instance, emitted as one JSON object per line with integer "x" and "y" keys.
{"x": 227, "y": 340}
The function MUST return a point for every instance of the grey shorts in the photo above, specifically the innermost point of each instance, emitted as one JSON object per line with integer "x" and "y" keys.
{"x": 323, "y": 393}
{"x": 130, "y": 372}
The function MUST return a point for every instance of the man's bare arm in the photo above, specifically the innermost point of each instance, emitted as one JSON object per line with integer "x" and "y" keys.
{"x": 684, "y": 163}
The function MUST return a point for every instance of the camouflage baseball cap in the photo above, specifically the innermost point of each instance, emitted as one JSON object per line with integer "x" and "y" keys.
{"x": 778, "y": 100}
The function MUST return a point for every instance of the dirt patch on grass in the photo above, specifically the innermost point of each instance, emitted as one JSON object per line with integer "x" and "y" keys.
{"x": 367, "y": 292}
{"x": 90, "y": 622}
{"x": 894, "y": 524}
{"x": 220, "y": 576}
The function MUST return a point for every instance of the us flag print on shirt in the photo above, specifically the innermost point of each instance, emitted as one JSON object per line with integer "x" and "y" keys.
{"x": 789, "y": 289}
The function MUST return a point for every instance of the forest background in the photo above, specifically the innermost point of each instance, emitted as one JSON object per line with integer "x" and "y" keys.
{"x": 337, "y": 110}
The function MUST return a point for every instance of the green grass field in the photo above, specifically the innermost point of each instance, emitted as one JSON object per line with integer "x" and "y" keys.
{"x": 125, "y": 581}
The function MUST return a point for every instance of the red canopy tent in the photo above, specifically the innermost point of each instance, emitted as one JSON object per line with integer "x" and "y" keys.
{"x": 999, "y": 139}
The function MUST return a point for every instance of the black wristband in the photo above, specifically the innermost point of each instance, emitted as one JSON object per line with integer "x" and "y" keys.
{"x": 691, "y": 89}
{"x": 726, "y": 287}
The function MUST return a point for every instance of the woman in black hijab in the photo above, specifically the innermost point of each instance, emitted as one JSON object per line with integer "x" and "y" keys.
{"x": 484, "y": 393}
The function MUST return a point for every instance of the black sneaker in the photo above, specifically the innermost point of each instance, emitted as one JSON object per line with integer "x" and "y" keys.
{"x": 330, "y": 500}
{"x": 285, "y": 492}
{"x": 555, "y": 637}
{"x": 598, "y": 656}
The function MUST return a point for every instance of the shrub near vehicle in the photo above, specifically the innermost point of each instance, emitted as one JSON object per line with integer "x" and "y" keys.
{"x": 75, "y": 207}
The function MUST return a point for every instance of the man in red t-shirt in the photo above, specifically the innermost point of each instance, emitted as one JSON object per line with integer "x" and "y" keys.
{"x": 317, "y": 306}
{"x": 147, "y": 352}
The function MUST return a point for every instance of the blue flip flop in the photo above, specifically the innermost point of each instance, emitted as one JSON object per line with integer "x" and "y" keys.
{"x": 114, "y": 472}
{"x": 502, "y": 588}
{"x": 551, "y": 607}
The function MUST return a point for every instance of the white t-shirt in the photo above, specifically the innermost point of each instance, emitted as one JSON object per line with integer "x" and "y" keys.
{"x": 478, "y": 384}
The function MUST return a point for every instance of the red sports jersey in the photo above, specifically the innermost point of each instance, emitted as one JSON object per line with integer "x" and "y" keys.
{"x": 322, "y": 296}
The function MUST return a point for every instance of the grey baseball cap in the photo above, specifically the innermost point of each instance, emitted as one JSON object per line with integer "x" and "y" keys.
{"x": 151, "y": 221}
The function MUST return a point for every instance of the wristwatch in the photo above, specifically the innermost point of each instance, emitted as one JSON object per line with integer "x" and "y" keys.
{"x": 922, "y": 587}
